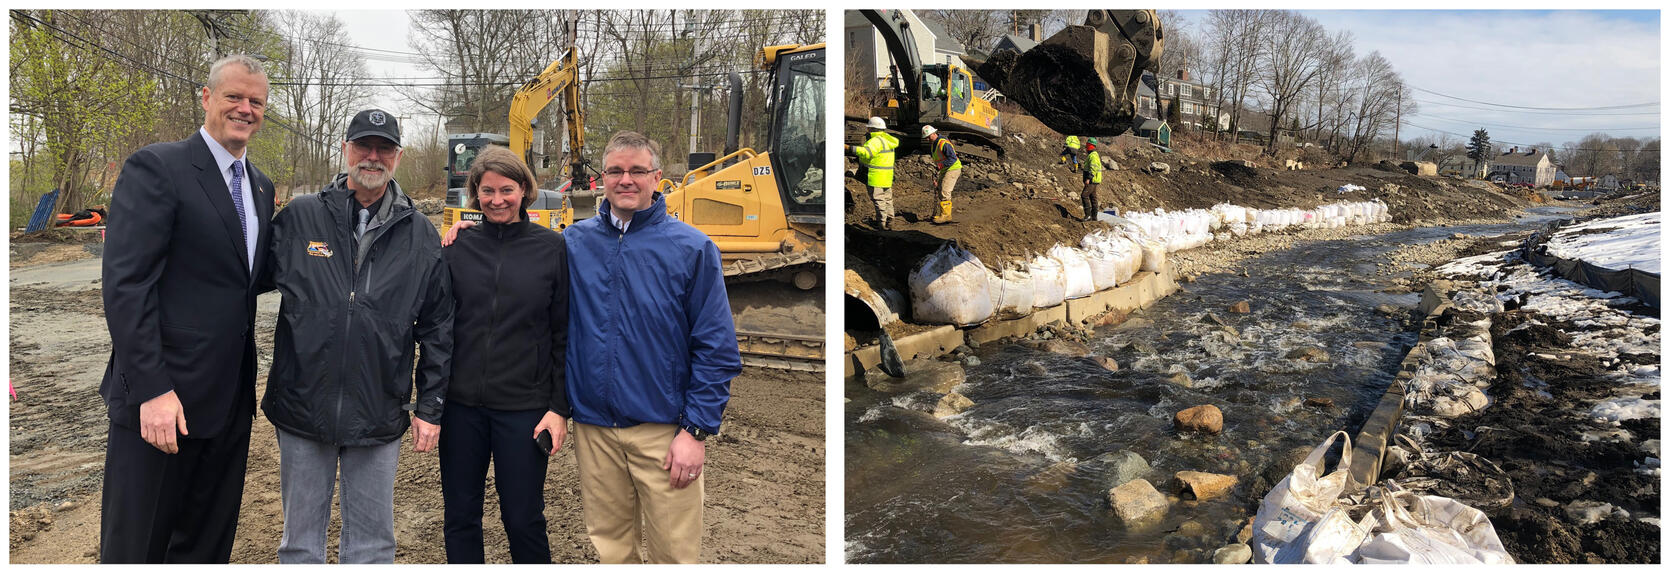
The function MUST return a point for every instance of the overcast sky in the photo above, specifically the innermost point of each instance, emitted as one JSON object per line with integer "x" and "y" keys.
{"x": 1536, "y": 59}
{"x": 1533, "y": 59}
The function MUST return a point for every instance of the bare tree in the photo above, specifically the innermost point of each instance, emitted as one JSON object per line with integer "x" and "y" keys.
{"x": 1236, "y": 44}
{"x": 318, "y": 84}
{"x": 484, "y": 56}
{"x": 1377, "y": 87}
{"x": 1290, "y": 62}
{"x": 976, "y": 30}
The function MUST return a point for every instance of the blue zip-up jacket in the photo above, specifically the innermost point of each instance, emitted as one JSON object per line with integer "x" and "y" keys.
{"x": 650, "y": 336}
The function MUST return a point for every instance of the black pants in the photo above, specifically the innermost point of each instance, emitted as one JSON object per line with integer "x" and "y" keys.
{"x": 469, "y": 436}
{"x": 173, "y": 508}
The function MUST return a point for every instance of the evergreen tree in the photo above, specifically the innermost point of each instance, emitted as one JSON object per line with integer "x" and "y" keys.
{"x": 1478, "y": 149}
{"x": 1173, "y": 115}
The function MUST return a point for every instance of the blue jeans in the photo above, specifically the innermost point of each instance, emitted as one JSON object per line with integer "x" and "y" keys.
{"x": 308, "y": 478}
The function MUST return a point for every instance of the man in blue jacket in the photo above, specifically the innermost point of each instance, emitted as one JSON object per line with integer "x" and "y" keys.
{"x": 651, "y": 354}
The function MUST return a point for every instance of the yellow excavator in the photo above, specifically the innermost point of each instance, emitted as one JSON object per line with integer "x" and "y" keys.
{"x": 765, "y": 210}
{"x": 923, "y": 92}
{"x": 554, "y": 209}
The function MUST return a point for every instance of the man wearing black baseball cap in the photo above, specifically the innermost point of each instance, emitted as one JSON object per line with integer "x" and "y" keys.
{"x": 362, "y": 280}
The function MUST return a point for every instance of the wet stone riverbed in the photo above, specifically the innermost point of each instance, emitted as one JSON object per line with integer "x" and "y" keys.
{"x": 1023, "y": 475}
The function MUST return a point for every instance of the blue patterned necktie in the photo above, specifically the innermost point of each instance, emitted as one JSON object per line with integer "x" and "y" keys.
{"x": 238, "y": 195}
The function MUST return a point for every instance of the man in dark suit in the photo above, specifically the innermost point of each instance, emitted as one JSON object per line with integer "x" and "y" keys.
{"x": 189, "y": 226}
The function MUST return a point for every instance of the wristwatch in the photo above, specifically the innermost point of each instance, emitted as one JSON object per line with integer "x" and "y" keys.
{"x": 696, "y": 433}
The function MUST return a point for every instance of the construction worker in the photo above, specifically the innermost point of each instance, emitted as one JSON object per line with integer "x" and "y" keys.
{"x": 1070, "y": 153}
{"x": 876, "y": 155}
{"x": 950, "y": 168}
{"x": 1092, "y": 179}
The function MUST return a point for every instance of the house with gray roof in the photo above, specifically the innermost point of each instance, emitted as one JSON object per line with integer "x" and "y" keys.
{"x": 1529, "y": 166}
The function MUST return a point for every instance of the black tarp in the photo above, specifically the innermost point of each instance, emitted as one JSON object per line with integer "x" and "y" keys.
{"x": 1632, "y": 282}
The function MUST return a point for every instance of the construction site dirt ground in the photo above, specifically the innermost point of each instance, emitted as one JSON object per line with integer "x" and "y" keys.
{"x": 765, "y": 473}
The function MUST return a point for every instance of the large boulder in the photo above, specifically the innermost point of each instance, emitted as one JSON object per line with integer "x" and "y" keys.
{"x": 1205, "y": 485}
{"x": 1118, "y": 467}
{"x": 951, "y": 404}
{"x": 1137, "y": 502}
{"x": 1203, "y": 418}
{"x": 1232, "y": 554}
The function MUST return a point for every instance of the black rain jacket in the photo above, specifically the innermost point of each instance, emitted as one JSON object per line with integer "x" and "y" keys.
{"x": 348, "y": 330}
{"x": 510, "y": 335}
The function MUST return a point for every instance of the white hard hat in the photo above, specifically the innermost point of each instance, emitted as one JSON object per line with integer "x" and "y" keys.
{"x": 928, "y": 131}
{"x": 876, "y": 122}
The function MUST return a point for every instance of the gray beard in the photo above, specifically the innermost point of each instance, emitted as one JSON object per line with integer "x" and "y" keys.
{"x": 368, "y": 181}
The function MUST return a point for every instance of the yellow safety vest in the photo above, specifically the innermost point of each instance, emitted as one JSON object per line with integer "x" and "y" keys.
{"x": 1072, "y": 142}
{"x": 876, "y": 155}
{"x": 1093, "y": 166}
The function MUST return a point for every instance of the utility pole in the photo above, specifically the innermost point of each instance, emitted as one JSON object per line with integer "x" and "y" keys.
{"x": 1397, "y": 126}
{"x": 695, "y": 118}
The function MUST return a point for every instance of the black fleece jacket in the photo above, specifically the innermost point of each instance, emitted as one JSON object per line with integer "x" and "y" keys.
{"x": 510, "y": 334}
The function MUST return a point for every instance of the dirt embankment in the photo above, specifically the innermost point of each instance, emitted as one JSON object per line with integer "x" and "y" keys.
{"x": 1027, "y": 203}
{"x": 765, "y": 487}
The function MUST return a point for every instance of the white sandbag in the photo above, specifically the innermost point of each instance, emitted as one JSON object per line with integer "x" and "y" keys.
{"x": 1012, "y": 292}
{"x": 1049, "y": 285}
{"x": 1285, "y": 530}
{"x": 1104, "y": 266}
{"x": 950, "y": 288}
{"x": 1079, "y": 281}
{"x": 1153, "y": 256}
{"x": 1417, "y": 529}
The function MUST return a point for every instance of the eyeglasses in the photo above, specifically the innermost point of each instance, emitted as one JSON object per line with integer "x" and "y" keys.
{"x": 379, "y": 149}
{"x": 636, "y": 173}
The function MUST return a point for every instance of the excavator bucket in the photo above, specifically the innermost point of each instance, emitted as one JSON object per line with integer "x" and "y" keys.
{"x": 1082, "y": 80}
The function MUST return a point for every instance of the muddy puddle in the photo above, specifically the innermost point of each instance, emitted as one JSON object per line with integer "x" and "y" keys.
{"x": 1023, "y": 475}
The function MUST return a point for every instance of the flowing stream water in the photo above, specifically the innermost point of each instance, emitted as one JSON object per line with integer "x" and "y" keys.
{"x": 1023, "y": 475}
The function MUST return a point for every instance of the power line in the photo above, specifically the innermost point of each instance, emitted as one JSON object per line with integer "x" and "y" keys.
{"x": 1536, "y": 128}
{"x": 1567, "y": 114}
{"x": 1641, "y": 105}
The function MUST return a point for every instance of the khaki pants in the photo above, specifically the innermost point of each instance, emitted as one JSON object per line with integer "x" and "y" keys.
{"x": 947, "y": 182}
{"x": 625, "y": 491}
{"x": 883, "y": 197}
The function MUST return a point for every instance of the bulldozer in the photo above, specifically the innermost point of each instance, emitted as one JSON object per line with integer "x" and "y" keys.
{"x": 765, "y": 211}
{"x": 555, "y": 209}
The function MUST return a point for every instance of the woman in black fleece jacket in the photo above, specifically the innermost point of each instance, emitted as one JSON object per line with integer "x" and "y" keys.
{"x": 510, "y": 280}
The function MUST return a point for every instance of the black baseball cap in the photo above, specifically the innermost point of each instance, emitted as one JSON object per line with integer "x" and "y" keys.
{"x": 374, "y": 122}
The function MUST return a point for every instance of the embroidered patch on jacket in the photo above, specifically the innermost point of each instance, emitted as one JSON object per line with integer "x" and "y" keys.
{"x": 318, "y": 249}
